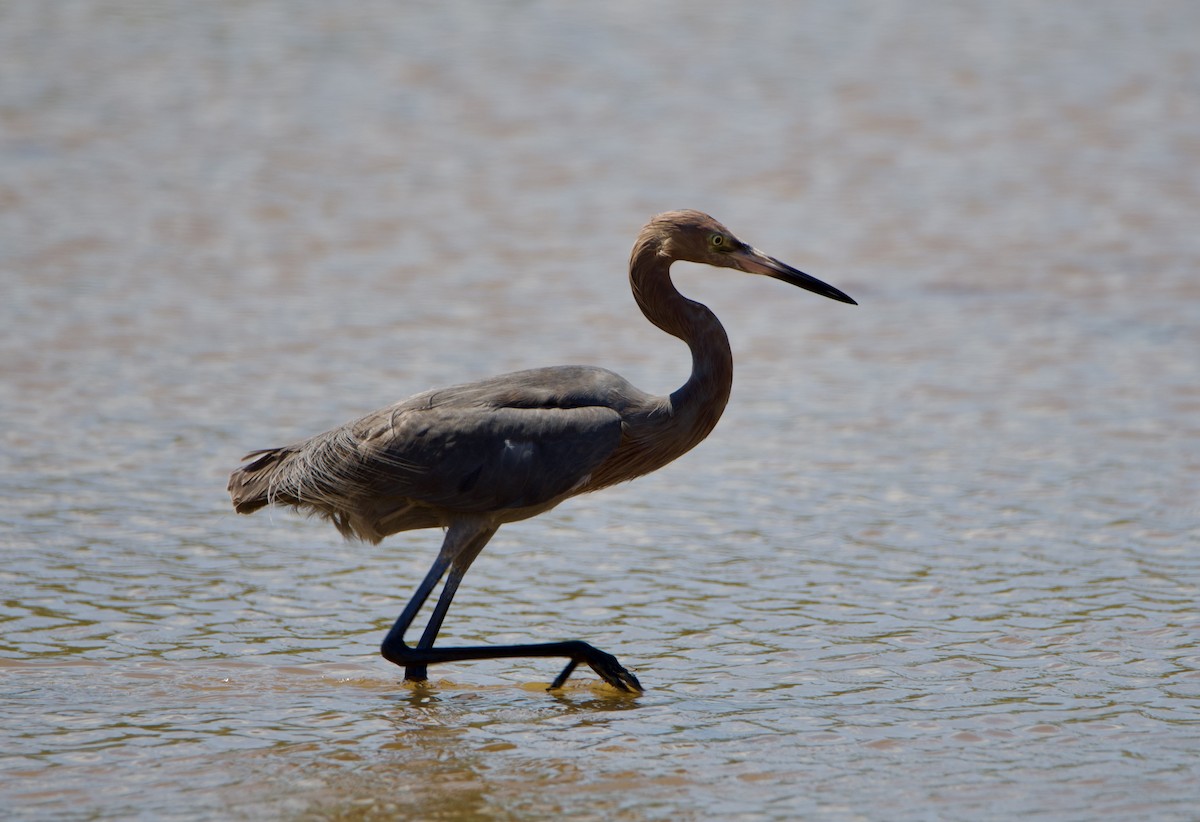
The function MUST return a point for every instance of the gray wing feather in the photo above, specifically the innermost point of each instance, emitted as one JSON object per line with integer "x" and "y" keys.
{"x": 519, "y": 441}
{"x": 484, "y": 459}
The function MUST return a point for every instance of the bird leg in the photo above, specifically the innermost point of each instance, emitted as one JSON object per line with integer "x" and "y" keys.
{"x": 419, "y": 673}
{"x": 459, "y": 550}
{"x": 395, "y": 637}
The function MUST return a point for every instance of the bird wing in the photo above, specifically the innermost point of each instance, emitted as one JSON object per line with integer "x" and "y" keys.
{"x": 518, "y": 441}
{"x": 481, "y": 458}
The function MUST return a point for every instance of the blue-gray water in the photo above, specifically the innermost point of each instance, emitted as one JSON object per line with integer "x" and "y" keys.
{"x": 939, "y": 560}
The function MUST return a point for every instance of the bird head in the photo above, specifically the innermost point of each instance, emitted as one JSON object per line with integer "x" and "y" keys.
{"x": 698, "y": 238}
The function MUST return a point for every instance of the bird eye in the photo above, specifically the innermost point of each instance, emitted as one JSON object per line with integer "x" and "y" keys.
{"x": 718, "y": 240}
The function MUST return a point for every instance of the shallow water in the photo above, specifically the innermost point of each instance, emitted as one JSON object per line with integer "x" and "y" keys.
{"x": 939, "y": 560}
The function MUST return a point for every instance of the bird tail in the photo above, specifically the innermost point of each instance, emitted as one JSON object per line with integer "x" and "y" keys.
{"x": 250, "y": 487}
{"x": 310, "y": 476}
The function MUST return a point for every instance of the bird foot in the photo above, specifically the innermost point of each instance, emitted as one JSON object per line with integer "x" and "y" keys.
{"x": 416, "y": 674}
{"x": 605, "y": 665}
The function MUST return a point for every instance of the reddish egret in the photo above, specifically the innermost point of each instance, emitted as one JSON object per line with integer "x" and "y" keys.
{"x": 472, "y": 457}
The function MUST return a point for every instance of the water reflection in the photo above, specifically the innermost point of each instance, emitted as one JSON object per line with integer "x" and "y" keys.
{"x": 938, "y": 560}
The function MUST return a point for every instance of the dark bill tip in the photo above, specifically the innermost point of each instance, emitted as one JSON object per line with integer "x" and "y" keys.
{"x": 755, "y": 262}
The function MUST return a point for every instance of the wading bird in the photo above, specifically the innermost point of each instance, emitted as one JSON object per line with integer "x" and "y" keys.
{"x": 473, "y": 457}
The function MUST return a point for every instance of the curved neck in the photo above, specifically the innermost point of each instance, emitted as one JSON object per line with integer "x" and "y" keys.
{"x": 697, "y": 405}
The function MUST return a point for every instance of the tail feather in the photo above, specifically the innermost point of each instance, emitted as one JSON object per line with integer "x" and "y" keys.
{"x": 250, "y": 485}
{"x": 322, "y": 476}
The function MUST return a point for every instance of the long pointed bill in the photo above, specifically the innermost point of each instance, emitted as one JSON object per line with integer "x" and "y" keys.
{"x": 755, "y": 262}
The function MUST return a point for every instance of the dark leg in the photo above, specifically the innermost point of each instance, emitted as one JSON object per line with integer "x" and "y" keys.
{"x": 459, "y": 549}
{"x": 418, "y": 673}
{"x": 395, "y": 637}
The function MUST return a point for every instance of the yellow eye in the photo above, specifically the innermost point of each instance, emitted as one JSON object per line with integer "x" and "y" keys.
{"x": 717, "y": 240}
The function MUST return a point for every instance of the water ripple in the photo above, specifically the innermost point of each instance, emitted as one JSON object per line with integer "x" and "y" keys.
{"x": 938, "y": 560}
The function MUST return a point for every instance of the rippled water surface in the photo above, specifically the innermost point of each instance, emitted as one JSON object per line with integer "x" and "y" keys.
{"x": 939, "y": 560}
